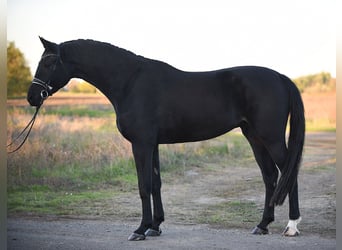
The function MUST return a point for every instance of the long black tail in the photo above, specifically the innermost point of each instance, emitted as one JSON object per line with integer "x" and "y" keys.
{"x": 290, "y": 169}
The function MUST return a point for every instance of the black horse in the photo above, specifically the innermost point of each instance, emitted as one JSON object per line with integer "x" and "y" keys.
{"x": 156, "y": 103}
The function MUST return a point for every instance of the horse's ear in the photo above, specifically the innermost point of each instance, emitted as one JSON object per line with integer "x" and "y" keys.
{"x": 47, "y": 45}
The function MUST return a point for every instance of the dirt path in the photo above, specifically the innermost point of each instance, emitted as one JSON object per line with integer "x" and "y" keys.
{"x": 184, "y": 203}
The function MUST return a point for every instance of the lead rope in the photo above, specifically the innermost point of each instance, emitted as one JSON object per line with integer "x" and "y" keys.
{"x": 29, "y": 125}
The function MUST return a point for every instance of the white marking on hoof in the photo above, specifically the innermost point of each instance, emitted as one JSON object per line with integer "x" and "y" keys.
{"x": 291, "y": 228}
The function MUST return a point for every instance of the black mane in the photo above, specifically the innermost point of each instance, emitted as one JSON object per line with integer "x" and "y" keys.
{"x": 80, "y": 44}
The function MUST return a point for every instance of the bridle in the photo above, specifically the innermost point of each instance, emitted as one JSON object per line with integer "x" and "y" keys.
{"x": 47, "y": 88}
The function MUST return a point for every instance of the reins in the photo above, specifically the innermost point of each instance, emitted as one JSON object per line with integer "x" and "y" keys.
{"x": 45, "y": 93}
{"x": 29, "y": 127}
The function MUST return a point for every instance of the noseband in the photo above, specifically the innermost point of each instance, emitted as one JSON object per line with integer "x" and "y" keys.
{"x": 47, "y": 88}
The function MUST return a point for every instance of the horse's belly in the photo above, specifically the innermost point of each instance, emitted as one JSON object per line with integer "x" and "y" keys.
{"x": 190, "y": 131}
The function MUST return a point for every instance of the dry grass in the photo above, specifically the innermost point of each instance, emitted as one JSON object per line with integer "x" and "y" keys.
{"x": 320, "y": 111}
{"x": 65, "y": 98}
{"x": 81, "y": 165}
{"x": 320, "y": 108}
{"x": 60, "y": 142}
{"x": 85, "y": 156}
{"x": 96, "y": 140}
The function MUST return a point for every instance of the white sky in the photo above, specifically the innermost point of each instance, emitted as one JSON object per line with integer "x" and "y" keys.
{"x": 293, "y": 37}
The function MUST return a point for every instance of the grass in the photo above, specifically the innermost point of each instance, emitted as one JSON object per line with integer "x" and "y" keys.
{"x": 316, "y": 125}
{"x": 74, "y": 111}
{"x": 238, "y": 213}
{"x": 209, "y": 155}
{"x": 79, "y": 111}
{"x": 83, "y": 176}
{"x": 79, "y": 153}
{"x": 75, "y": 152}
{"x": 42, "y": 200}
{"x": 76, "y": 149}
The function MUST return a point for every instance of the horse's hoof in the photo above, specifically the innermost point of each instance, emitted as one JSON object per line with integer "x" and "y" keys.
{"x": 259, "y": 231}
{"x": 291, "y": 229}
{"x": 136, "y": 237}
{"x": 290, "y": 232}
{"x": 152, "y": 232}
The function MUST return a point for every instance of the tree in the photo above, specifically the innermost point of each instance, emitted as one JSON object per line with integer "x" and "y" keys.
{"x": 77, "y": 85}
{"x": 18, "y": 73}
{"x": 319, "y": 82}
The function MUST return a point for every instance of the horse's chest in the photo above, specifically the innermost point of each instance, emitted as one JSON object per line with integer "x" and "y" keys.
{"x": 135, "y": 126}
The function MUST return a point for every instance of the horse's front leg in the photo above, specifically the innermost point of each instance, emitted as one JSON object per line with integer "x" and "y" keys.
{"x": 158, "y": 212}
{"x": 143, "y": 155}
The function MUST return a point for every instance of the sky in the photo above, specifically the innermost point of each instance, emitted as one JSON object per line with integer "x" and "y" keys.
{"x": 293, "y": 37}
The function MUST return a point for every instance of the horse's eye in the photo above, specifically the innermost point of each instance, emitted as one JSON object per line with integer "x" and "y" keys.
{"x": 48, "y": 62}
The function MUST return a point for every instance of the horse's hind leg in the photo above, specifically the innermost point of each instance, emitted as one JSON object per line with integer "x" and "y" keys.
{"x": 294, "y": 214}
{"x": 270, "y": 175}
{"x": 278, "y": 151}
{"x": 158, "y": 212}
{"x": 270, "y": 155}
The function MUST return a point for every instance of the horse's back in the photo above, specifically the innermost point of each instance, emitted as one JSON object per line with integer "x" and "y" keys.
{"x": 196, "y": 106}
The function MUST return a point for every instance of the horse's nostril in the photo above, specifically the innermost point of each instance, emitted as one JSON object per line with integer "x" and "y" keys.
{"x": 31, "y": 101}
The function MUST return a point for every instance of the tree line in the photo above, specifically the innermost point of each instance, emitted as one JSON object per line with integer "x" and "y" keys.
{"x": 321, "y": 82}
{"x": 19, "y": 77}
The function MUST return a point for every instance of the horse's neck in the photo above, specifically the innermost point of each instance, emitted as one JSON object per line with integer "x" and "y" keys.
{"x": 107, "y": 69}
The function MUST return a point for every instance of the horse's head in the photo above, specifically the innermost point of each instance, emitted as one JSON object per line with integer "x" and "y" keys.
{"x": 50, "y": 76}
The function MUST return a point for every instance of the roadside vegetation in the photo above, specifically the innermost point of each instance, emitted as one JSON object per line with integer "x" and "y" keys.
{"x": 75, "y": 157}
{"x": 75, "y": 162}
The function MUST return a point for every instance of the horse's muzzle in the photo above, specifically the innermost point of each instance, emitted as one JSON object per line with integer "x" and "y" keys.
{"x": 33, "y": 101}
{"x": 37, "y": 99}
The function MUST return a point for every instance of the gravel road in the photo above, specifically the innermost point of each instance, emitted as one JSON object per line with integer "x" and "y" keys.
{"x": 98, "y": 234}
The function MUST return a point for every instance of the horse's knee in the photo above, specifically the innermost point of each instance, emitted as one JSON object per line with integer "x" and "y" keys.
{"x": 145, "y": 192}
{"x": 156, "y": 186}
